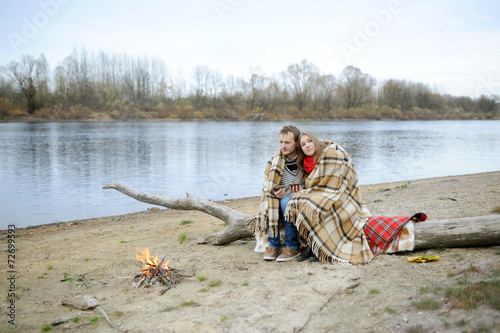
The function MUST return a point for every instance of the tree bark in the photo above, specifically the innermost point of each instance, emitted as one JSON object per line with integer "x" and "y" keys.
{"x": 237, "y": 221}
{"x": 462, "y": 232}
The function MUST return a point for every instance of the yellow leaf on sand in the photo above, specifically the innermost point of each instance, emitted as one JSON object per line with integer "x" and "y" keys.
{"x": 422, "y": 258}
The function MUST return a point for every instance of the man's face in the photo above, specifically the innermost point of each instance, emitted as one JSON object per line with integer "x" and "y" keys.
{"x": 287, "y": 144}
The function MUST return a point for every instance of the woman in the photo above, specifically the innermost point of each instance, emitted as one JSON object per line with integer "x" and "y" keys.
{"x": 329, "y": 213}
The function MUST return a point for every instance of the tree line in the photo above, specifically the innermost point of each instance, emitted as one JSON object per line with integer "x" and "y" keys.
{"x": 87, "y": 85}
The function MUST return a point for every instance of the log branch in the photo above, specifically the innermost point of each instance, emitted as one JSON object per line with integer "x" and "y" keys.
{"x": 237, "y": 226}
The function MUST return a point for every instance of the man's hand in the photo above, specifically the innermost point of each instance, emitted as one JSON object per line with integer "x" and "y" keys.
{"x": 280, "y": 193}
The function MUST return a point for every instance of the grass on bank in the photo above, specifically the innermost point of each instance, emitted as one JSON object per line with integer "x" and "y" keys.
{"x": 465, "y": 271}
{"x": 182, "y": 305}
{"x": 215, "y": 283}
{"x": 464, "y": 293}
{"x": 426, "y": 304}
{"x": 202, "y": 277}
{"x": 469, "y": 295}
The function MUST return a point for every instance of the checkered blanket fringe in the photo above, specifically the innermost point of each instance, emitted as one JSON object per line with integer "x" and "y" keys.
{"x": 267, "y": 219}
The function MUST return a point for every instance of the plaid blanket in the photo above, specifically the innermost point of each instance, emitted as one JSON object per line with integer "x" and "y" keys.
{"x": 329, "y": 212}
{"x": 267, "y": 219}
{"x": 382, "y": 230}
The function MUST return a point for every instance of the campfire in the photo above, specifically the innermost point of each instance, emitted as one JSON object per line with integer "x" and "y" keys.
{"x": 156, "y": 271}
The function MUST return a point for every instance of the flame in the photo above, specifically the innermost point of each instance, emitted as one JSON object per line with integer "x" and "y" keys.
{"x": 151, "y": 261}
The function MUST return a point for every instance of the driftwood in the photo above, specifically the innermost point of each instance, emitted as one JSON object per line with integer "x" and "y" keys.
{"x": 236, "y": 221}
{"x": 86, "y": 303}
{"x": 462, "y": 232}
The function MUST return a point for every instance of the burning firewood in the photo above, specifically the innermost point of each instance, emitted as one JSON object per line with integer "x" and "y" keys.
{"x": 156, "y": 271}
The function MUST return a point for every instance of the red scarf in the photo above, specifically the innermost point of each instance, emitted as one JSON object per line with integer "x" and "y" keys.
{"x": 309, "y": 163}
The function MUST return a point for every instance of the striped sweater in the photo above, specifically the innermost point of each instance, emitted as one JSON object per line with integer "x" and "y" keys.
{"x": 292, "y": 174}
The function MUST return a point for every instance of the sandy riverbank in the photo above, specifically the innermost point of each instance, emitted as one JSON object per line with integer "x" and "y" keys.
{"x": 241, "y": 292}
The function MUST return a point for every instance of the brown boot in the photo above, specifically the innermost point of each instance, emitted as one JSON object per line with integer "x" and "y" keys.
{"x": 271, "y": 253}
{"x": 288, "y": 254}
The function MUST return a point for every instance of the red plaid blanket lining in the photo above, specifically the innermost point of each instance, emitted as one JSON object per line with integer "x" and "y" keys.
{"x": 382, "y": 230}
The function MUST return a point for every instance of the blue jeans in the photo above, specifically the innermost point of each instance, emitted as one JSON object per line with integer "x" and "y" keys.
{"x": 291, "y": 236}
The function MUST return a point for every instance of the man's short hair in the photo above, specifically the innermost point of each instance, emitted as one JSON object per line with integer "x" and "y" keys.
{"x": 290, "y": 128}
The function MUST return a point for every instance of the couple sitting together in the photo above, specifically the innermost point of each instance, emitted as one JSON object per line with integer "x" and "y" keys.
{"x": 311, "y": 193}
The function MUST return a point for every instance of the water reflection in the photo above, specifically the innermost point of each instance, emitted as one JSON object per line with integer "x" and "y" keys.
{"x": 55, "y": 171}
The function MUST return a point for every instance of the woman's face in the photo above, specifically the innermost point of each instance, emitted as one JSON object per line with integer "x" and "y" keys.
{"x": 307, "y": 145}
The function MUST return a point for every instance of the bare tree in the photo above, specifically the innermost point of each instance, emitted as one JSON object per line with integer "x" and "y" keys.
{"x": 66, "y": 80}
{"x": 423, "y": 96}
{"x": 201, "y": 77}
{"x": 177, "y": 87}
{"x": 159, "y": 79}
{"x": 137, "y": 80}
{"x": 142, "y": 79}
{"x": 273, "y": 95}
{"x": 233, "y": 89}
{"x": 408, "y": 97}
{"x": 107, "y": 78}
{"x": 300, "y": 78}
{"x": 215, "y": 86}
{"x": 324, "y": 92}
{"x": 85, "y": 77}
{"x": 6, "y": 85}
{"x": 487, "y": 105}
{"x": 392, "y": 94}
{"x": 463, "y": 103}
{"x": 257, "y": 84}
{"x": 356, "y": 88}
{"x": 29, "y": 75}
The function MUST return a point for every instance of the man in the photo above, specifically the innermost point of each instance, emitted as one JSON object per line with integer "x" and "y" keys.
{"x": 281, "y": 170}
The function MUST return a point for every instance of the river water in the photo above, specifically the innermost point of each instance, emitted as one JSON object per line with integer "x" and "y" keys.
{"x": 53, "y": 172}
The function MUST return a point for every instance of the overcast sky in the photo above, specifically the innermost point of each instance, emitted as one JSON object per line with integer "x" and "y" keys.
{"x": 454, "y": 46}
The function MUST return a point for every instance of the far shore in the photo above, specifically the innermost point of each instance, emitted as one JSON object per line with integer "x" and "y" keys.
{"x": 111, "y": 120}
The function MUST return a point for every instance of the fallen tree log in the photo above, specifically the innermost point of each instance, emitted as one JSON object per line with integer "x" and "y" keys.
{"x": 236, "y": 221}
{"x": 461, "y": 232}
